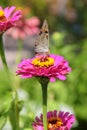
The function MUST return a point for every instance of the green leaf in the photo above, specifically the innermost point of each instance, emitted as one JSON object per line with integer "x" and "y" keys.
{"x": 20, "y": 104}
{"x": 5, "y": 101}
{"x": 2, "y": 121}
{"x": 27, "y": 129}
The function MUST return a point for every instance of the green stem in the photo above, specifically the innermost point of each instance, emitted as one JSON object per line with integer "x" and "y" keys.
{"x": 20, "y": 49}
{"x": 3, "y": 55}
{"x": 16, "y": 111}
{"x": 44, "y": 98}
{"x": 15, "y": 123}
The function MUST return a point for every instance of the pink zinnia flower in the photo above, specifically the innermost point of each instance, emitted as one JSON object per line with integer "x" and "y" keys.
{"x": 55, "y": 121}
{"x": 52, "y": 67}
{"x": 25, "y": 27}
{"x": 8, "y": 17}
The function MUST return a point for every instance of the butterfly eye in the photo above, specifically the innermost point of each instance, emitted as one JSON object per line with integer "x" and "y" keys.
{"x": 46, "y": 31}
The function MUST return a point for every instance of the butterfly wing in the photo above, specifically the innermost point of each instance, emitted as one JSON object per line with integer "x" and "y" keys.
{"x": 42, "y": 41}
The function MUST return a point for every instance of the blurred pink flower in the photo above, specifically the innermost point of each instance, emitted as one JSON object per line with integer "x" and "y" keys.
{"x": 8, "y": 17}
{"x": 26, "y": 26}
{"x": 52, "y": 67}
{"x": 55, "y": 121}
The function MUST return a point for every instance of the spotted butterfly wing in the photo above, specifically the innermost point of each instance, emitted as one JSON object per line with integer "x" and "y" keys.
{"x": 42, "y": 41}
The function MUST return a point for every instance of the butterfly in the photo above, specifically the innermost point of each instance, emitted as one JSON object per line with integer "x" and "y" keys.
{"x": 42, "y": 41}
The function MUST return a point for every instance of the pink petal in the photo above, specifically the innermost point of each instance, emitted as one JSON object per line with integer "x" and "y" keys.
{"x": 61, "y": 77}
{"x": 52, "y": 79}
{"x": 9, "y": 11}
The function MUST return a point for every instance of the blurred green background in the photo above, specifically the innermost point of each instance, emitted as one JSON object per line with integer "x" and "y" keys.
{"x": 67, "y": 21}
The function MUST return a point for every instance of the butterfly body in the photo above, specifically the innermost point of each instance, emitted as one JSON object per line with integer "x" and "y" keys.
{"x": 42, "y": 41}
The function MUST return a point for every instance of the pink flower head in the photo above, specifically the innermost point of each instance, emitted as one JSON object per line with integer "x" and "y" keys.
{"x": 52, "y": 67}
{"x": 25, "y": 27}
{"x": 8, "y": 17}
{"x": 55, "y": 121}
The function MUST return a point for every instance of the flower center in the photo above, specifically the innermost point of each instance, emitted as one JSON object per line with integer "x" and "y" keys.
{"x": 43, "y": 61}
{"x": 2, "y": 16}
{"x": 54, "y": 123}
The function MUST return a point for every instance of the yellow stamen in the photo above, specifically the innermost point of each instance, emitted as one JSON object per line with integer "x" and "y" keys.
{"x": 2, "y": 16}
{"x": 43, "y": 62}
{"x": 54, "y": 123}
{"x": 1, "y": 13}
